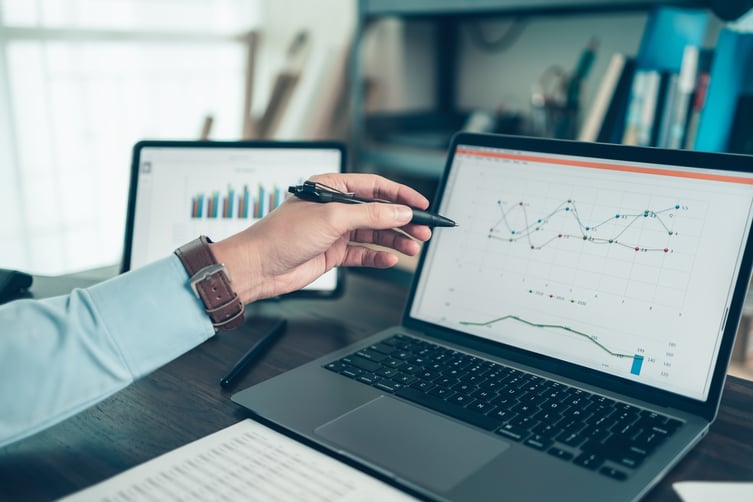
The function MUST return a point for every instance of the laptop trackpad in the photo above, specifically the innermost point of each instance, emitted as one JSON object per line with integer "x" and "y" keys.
{"x": 415, "y": 444}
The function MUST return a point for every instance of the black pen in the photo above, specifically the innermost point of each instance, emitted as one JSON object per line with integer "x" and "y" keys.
{"x": 253, "y": 352}
{"x": 318, "y": 192}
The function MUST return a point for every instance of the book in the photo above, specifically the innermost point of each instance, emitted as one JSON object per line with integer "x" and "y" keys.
{"x": 731, "y": 71}
{"x": 678, "y": 101}
{"x": 644, "y": 96}
{"x": 741, "y": 132}
{"x": 605, "y": 95}
{"x": 613, "y": 125}
{"x": 698, "y": 98}
{"x": 669, "y": 30}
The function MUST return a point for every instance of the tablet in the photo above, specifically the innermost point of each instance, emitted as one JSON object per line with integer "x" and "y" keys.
{"x": 182, "y": 189}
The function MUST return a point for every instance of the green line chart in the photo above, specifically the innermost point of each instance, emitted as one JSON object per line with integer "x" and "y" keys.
{"x": 637, "y": 358}
{"x": 619, "y": 223}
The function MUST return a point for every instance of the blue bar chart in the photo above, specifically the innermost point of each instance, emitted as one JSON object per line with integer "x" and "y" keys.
{"x": 240, "y": 204}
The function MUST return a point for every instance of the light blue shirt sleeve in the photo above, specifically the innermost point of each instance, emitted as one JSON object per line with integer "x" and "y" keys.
{"x": 58, "y": 356}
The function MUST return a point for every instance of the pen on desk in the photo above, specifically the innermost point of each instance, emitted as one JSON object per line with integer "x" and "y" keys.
{"x": 253, "y": 352}
{"x": 318, "y": 192}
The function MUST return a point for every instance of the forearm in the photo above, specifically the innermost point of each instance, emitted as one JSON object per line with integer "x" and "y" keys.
{"x": 61, "y": 355}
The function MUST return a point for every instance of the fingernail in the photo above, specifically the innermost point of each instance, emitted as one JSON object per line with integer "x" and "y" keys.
{"x": 403, "y": 213}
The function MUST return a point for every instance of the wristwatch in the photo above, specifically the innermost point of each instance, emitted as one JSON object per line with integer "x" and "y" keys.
{"x": 210, "y": 282}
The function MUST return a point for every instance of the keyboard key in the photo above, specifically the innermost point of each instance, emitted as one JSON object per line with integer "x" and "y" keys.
{"x": 423, "y": 385}
{"x": 364, "y": 364}
{"x": 502, "y": 415}
{"x": 571, "y": 439}
{"x": 386, "y": 372}
{"x": 630, "y": 460}
{"x": 589, "y": 460}
{"x": 409, "y": 368}
{"x": 547, "y": 430}
{"x": 483, "y": 395}
{"x": 482, "y": 407}
{"x": 383, "y": 348}
{"x": 441, "y": 392}
{"x": 503, "y": 401}
{"x": 613, "y": 473}
{"x": 572, "y": 425}
{"x": 524, "y": 422}
{"x": 548, "y": 417}
{"x": 648, "y": 440}
{"x": 404, "y": 379}
{"x": 389, "y": 385}
{"x": 513, "y": 432}
{"x": 463, "y": 388}
{"x": 538, "y": 442}
{"x": 336, "y": 366}
{"x": 560, "y": 453}
{"x": 446, "y": 381}
{"x": 351, "y": 372}
{"x": 371, "y": 355}
{"x": 461, "y": 399}
{"x": 369, "y": 378}
{"x": 393, "y": 363}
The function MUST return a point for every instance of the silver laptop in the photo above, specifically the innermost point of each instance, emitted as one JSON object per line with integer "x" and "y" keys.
{"x": 569, "y": 340}
{"x": 180, "y": 189}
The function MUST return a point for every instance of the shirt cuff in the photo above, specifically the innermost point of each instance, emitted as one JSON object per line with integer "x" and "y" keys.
{"x": 152, "y": 314}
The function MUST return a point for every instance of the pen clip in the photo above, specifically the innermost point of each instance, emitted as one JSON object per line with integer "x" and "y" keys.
{"x": 312, "y": 190}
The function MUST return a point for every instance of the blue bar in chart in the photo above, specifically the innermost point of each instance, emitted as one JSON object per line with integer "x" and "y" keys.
{"x": 637, "y": 363}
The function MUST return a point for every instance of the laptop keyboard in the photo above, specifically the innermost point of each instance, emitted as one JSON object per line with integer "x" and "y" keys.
{"x": 589, "y": 430}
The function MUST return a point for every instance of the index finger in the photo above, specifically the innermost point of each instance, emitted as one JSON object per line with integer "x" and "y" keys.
{"x": 374, "y": 186}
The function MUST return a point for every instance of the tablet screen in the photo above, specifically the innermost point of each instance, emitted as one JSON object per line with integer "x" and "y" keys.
{"x": 183, "y": 189}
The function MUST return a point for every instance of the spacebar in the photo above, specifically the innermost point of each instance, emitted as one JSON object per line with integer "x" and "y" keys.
{"x": 453, "y": 410}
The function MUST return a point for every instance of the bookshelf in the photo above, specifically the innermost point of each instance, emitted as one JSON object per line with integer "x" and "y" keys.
{"x": 412, "y": 143}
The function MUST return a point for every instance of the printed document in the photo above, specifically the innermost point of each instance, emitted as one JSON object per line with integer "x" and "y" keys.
{"x": 246, "y": 461}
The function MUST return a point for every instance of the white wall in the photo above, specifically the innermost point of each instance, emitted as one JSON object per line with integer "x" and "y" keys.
{"x": 329, "y": 23}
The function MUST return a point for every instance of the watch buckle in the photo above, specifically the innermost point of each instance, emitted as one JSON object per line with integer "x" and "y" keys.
{"x": 205, "y": 273}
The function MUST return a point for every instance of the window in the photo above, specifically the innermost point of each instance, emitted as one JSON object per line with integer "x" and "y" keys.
{"x": 80, "y": 82}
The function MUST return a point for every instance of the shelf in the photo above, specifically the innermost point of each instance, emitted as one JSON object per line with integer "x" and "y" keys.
{"x": 415, "y": 143}
{"x": 422, "y": 162}
{"x": 405, "y": 8}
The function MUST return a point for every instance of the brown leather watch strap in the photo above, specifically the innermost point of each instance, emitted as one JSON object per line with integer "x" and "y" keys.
{"x": 211, "y": 283}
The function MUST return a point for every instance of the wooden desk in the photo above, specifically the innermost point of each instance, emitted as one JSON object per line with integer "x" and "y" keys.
{"x": 183, "y": 401}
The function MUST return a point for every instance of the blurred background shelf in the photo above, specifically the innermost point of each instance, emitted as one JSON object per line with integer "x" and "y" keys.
{"x": 407, "y": 99}
{"x": 476, "y": 7}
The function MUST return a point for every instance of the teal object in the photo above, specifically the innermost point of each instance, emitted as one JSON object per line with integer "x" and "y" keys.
{"x": 731, "y": 75}
{"x": 668, "y": 30}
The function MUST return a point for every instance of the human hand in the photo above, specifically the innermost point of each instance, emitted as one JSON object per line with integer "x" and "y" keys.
{"x": 301, "y": 240}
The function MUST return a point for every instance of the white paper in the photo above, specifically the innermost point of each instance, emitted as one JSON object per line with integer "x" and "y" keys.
{"x": 246, "y": 461}
{"x": 703, "y": 491}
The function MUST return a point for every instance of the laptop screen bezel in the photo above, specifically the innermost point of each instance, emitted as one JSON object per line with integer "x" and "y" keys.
{"x": 719, "y": 161}
{"x": 246, "y": 144}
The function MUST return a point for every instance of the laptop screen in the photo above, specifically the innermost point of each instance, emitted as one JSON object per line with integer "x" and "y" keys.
{"x": 627, "y": 268}
{"x": 180, "y": 190}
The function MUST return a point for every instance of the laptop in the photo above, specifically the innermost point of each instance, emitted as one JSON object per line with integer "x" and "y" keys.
{"x": 568, "y": 340}
{"x": 182, "y": 189}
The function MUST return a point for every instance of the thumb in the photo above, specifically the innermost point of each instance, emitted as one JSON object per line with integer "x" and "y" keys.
{"x": 376, "y": 215}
